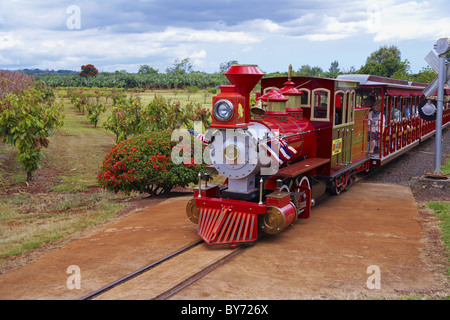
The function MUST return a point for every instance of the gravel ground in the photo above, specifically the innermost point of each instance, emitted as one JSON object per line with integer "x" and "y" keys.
{"x": 410, "y": 169}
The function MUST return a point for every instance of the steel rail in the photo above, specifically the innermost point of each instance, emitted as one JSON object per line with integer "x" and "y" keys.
{"x": 140, "y": 271}
{"x": 187, "y": 282}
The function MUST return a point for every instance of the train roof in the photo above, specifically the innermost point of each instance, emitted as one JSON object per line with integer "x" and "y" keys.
{"x": 393, "y": 87}
{"x": 370, "y": 80}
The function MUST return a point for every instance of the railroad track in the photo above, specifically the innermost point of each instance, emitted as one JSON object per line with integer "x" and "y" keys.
{"x": 164, "y": 278}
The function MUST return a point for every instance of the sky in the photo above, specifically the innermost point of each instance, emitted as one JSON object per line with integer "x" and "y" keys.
{"x": 123, "y": 35}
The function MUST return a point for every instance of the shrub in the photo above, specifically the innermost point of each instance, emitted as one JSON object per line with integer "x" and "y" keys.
{"x": 27, "y": 119}
{"x": 125, "y": 118}
{"x": 94, "y": 110}
{"x": 143, "y": 163}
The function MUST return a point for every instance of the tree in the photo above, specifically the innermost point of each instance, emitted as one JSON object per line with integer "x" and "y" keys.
{"x": 180, "y": 66}
{"x": 307, "y": 71}
{"x": 27, "y": 119}
{"x": 226, "y": 65}
{"x": 88, "y": 71}
{"x": 191, "y": 90}
{"x": 384, "y": 52}
{"x": 426, "y": 75}
{"x": 403, "y": 72}
{"x": 146, "y": 69}
{"x": 384, "y": 62}
{"x": 334, "y": 70}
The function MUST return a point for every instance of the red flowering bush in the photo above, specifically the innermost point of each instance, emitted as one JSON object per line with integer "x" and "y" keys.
{"x": 143, "y": 163}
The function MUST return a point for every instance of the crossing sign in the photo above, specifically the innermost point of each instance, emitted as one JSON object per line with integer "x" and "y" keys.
{"x": 442, "y": 46}
{"x": 433, "y": 61}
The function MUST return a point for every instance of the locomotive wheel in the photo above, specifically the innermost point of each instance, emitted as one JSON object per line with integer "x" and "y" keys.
{"x": 337, "y": 189}
{"x": 334, "y": 189}
{"x": 301, "y": 181}
{"x": 351, "y": 179}
{"x": 343, "y": 182}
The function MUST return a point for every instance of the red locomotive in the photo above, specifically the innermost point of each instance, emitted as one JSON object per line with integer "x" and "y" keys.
{"x": 304, "y": 137}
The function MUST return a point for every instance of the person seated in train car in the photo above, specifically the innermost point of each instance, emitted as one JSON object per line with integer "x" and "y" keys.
{"x": 406, "y": 112}
{"x": 395, "y": 113}
{"x": 414, "y": 111}
{"x": 375, "y": 126}
{"x": 368, "y": 102}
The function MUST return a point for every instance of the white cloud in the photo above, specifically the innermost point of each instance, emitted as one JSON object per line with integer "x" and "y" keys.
{"x": 198, "y": 55}
{"x": 8, "y": 41}
{"x": 68, "y": 48}
{"x": 410, "y": 20}
{"x": 386, "y": 20}
{"x": 113, "y": 33}
{"x": 260, "y": 26}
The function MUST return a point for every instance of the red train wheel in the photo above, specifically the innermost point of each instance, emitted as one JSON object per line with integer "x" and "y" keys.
{"x": 301, "y": 181}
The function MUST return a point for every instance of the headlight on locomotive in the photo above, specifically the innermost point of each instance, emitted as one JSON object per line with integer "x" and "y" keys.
{"x": 223, "y": 110}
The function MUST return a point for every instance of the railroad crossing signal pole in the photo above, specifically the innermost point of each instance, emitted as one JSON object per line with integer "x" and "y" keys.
{"x": 442, "y": 46}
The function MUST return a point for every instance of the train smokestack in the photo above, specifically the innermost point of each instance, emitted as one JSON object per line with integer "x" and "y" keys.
{"x": 244, "y": 77}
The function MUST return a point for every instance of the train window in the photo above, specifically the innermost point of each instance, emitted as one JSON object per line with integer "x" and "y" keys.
{"x": 340, "y": 104}
{"x": 351, "y": 102}
{"x": 320, "y": 105}
{"x": 304, "y": 98}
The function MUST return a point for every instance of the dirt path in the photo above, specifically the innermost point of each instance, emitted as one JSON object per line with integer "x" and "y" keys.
{"x": 323, "y": 257}
{"x": 328, "y": 255}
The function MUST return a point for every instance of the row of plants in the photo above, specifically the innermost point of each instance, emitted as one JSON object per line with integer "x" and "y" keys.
{"x": 141, "y": 159}
{"x": 128, "y": 115}
{"x": 132, "y": 80}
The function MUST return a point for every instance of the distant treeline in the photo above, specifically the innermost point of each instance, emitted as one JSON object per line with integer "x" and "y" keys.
{"x": 121, "y": 79}
{"x": 39, "y": 71}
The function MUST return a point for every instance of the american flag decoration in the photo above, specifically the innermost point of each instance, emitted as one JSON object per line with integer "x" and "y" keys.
{"x": 199, "y": 136}
{"x": 279, "y": 149}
